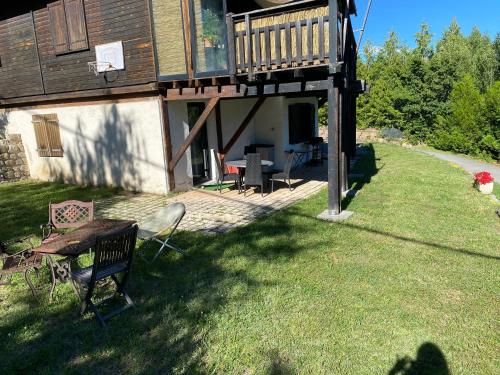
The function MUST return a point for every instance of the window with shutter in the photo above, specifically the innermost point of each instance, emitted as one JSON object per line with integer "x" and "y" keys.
{"x": 58, "y": 27}
{"x": 68, "y": 26}
{"x": 47, "y": 134}
{"x": 77, "y": 29}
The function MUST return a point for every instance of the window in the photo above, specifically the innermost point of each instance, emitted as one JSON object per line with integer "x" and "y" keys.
{"x": 301, "y": 122}
{"x": 67, "y": 25}
{"x": 48, "y": 137}
{"x": 210, "y": 30}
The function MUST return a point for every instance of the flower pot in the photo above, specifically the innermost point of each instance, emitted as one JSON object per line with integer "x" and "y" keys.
{"x": 485, "y": 188}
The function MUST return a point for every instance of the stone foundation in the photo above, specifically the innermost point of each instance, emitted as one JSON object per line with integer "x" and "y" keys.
{"x": 13, "y": 162}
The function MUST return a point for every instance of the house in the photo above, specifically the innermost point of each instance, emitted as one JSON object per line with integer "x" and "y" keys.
{"x": 135, "y": 93}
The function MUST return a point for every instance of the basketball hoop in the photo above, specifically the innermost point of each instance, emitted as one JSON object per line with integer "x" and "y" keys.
{"x": 100, "y": 67}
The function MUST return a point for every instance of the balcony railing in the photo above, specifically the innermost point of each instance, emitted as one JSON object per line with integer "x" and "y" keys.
{"x": 279, "y": 38}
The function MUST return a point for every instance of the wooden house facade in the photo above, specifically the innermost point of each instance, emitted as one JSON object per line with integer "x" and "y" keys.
{"x": 192, "y": 76}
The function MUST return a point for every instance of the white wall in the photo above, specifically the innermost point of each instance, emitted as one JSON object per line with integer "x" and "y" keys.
{"x": 116, "y": 144}
{"x": 269, "y": 125}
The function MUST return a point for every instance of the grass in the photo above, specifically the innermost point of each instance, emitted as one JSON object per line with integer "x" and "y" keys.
{"x": 411, "y": 280}
{"x": 496, "y": 190}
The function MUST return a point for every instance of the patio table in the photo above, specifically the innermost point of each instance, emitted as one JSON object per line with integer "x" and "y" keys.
{"x": 243, "y": 163}
{"x": 75, "y": 243}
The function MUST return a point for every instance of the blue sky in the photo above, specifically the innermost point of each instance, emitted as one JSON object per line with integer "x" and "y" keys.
{"x": 405, "y": 17}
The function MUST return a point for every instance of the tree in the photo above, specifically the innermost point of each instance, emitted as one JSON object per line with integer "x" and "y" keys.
{"x": 462, "y": 130}
{"x": 484, "y": 62}
{"x": 496, "y": 47}
{"x": 451, "y": 61}
{"x": 491, "y": 139}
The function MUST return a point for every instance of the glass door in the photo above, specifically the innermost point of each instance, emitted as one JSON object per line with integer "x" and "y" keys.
{"x": 200, "y": 163}
{"x": 210, "y": 34}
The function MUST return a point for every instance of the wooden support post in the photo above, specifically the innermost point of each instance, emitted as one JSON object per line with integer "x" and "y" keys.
{"x": 195, "y": 130}
{"x": 334, "y": 193}
{"x": 167, "y": 142}
{"x": 332, "y": 28}
{"x": 231, "y": 48}
{"x": 243, "y": 125}
{"x": 249, "y": 54}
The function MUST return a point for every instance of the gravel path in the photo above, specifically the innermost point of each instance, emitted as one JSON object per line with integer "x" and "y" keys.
{"x": 471, "y": 166}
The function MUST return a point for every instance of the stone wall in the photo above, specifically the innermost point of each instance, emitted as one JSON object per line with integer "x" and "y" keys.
{"x": 13, "y": 162}
{"x": 362, "y": 135}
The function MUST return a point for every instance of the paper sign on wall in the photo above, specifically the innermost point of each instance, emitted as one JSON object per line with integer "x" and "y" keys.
{"x": 109, "y": 54}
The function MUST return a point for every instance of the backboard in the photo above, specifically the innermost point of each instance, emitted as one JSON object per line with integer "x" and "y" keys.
{"x": 109, "y": 55}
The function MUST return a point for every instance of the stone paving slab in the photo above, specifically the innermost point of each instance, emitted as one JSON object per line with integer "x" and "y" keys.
{"x": 211, "y": 212}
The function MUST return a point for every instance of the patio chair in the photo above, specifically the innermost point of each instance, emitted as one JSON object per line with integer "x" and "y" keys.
{"x": 253, "y": 173}
{"x": 221, "y": 176}
{"x": 285, "y": 174}
{"x": 22, "y": 262}
{"x": 65, "y": 215}
{"x": 164, "y": 221}
{"x": 113, "y": 256}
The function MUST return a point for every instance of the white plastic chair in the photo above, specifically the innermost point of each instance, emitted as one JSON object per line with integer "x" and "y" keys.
{"x": 164, "y": 221}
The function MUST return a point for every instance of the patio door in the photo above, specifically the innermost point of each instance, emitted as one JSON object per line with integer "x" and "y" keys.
{"x": 200, "y": 163}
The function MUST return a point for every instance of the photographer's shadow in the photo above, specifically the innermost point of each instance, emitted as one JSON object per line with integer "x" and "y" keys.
{"x": 430, "y": 361}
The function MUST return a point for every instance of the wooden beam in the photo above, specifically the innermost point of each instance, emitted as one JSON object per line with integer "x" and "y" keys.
{"x": 167, "y": 142}
{"x": 332, "y": 28}
{"x": 194, "y": 131}
{"x": 249, "y": 54}
{"x": 145, "y": 89}
{"x": 186, "y": 19}
{"x": 218, "y": 125}
{"x": 243, "y": 125}
{"x": 232, "y": 91}
{"x": 231, "y": 48}
{"x": 334, "y": 193}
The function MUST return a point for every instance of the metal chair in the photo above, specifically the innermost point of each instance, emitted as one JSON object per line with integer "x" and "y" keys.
{"x": 113, "y": 255}
{"x": 221, "y": 176}
{"x": 285, "y": 174}
{"x": 253, "y": 173}
{"x": 65, "y": 215}
{"x": 164, "y": 221}
{"x": 22, "y": 261}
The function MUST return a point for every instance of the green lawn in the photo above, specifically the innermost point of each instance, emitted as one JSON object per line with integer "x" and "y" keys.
{"x": 412, "y": 278}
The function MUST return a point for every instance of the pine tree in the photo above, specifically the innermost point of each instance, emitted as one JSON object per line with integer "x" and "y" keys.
{"x": 463, "y": 129}
{"x": 484, "y": 62}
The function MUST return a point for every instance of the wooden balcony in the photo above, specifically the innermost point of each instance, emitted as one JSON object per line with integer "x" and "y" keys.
{"x": 293, "y": 36}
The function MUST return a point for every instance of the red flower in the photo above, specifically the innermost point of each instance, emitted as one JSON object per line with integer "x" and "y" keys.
{"x": 483, "y": 178}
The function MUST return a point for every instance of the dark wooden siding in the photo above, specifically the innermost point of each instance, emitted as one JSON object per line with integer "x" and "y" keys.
{"x": 107, "y": 21}
{"x": 19, "y": 71}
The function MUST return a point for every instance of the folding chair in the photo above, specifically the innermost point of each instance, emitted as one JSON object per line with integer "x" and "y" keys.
{"x": 113, "y": 255}
{"x": 164, "y": 221}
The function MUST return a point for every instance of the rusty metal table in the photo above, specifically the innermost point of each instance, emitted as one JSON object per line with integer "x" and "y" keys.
{"x": 72, "y": 244}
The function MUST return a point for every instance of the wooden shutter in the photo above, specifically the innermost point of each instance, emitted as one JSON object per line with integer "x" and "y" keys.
{"x": 58, "y": 27}
{"x": 77, "y": 28}
{"x": 47, "y": 134}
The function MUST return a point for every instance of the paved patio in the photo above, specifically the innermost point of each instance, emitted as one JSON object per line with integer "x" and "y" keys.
{"x": 211, "y": 212}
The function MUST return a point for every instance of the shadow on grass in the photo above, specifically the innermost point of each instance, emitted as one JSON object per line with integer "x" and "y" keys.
{"x": 176, "y": 298}
{"x": 364, "y": 169}
{"x": 430, "y": 360}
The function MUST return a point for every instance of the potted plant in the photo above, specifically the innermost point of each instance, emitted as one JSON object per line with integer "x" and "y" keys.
{"x": 211, "y": 28}
{"x": 484, "y": 182}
